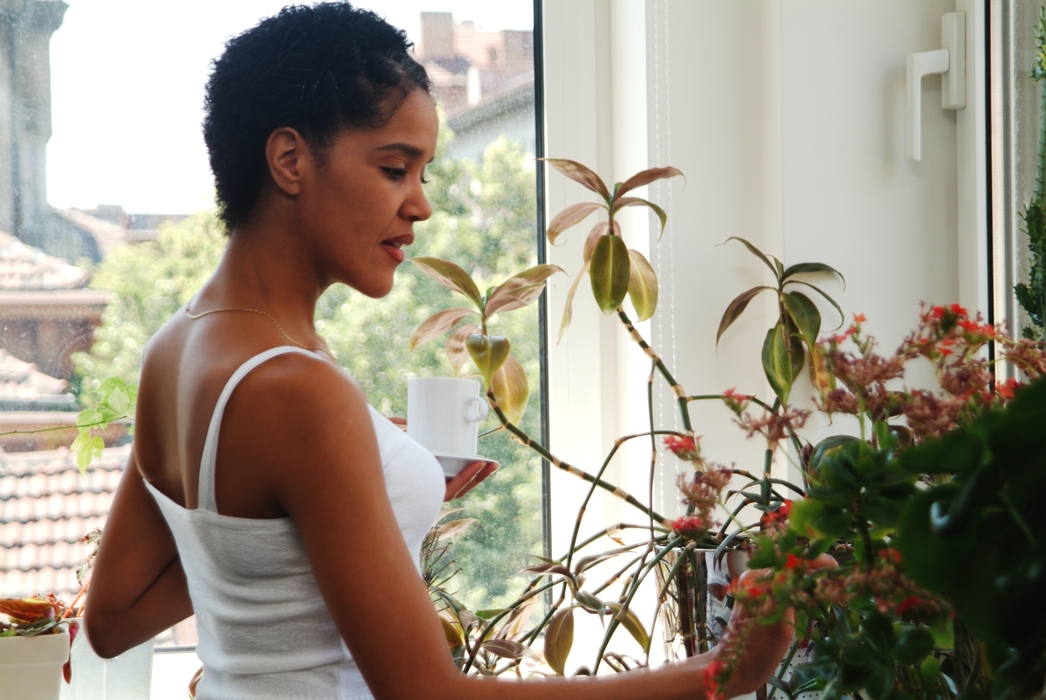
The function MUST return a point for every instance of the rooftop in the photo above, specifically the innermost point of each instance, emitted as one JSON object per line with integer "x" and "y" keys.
{"x": 25, "y": 268}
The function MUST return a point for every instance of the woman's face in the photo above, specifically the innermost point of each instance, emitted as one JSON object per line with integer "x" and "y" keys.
{"x": 361, "y": 204}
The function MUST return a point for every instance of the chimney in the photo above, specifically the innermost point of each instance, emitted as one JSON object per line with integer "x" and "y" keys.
{"x": 437, "y": 35}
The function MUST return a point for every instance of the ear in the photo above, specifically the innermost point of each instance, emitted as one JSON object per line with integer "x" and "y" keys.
{"x": 286, "y": 152}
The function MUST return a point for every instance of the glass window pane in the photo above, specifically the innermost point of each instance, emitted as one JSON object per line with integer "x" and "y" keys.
{"x": 107, "y": 228}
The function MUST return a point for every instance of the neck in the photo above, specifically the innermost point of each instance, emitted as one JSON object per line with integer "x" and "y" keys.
{"x": 265, "y": 268}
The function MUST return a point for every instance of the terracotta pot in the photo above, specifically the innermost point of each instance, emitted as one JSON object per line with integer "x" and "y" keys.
{"x": 31, "y": 667}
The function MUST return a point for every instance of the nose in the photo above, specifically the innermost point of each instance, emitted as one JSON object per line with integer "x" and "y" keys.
{"x": 416, "y": 207}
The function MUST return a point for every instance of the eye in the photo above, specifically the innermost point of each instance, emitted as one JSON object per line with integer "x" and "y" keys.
{"x": 395, "y": 174}
{"x": 424, "y": 181}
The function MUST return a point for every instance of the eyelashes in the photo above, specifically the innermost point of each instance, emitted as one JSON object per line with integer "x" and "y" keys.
{"x": 398, "y": 174}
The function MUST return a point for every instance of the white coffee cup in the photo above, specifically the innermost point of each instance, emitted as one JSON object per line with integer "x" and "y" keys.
{"x": 443, "y": 416}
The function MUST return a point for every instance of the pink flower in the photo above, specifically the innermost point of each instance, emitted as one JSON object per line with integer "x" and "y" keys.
{"x": 860, "y": 318}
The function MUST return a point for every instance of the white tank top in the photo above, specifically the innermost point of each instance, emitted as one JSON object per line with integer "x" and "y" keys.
{"x": 263, "y": 627}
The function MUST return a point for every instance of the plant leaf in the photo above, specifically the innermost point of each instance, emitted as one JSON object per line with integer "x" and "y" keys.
{"x": 756, "y": 252}
{"x": 642, "y": 285}
{"x": 630, "y": 621}
{"x": 570, "y": 216}
{"x": 511, "y": 389}
{"x": 777, "y": 363}
{"x": 580, "y": 174}
{"x": 519, "y": 290}
{"x": 504, "y": 648}
{"x": 548, "y": 569}
{"x": 812, "y": 267}
{"x": 609, "y": 272}
{"x": 454, "y": 528}
{"x": 828, "y": 298}
{"x": 568, "y": 307}
{"x": 450, "y": 276}
{"x": 805, "y": 315}
{"x": 452, "y": 633}
{"x": 559, "y": 637}
{"x": 598, "y": 230}
{"x": 635, "y": 202}
{"x": 437, "y": 323}
{"x": 489, "y": 352}
{"x": 645, "y": 178}
{"x": 457, "y": 353}
{"x": 736, "y": 308}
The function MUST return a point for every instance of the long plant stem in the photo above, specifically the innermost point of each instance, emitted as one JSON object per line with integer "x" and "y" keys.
{"x": 677, "y": 388}
{"x": 571, "y": 469}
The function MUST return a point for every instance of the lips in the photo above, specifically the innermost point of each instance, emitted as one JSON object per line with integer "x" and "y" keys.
{"x": 394, "y": 246}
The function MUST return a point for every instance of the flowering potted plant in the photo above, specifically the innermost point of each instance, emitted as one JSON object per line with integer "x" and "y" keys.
{"x": 930, "y": 511}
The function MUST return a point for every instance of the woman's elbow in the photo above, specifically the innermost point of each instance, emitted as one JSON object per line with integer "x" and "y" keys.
{"x": 102, "y": 635}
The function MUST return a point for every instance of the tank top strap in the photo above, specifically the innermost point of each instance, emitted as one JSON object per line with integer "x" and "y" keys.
{"x": 205, "y": 496}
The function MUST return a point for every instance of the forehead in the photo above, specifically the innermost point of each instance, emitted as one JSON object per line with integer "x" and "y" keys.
{"x": 411, "y": 131}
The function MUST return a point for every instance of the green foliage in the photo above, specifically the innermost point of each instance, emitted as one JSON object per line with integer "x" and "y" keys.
{"x": 1031, "y": 295}
{"x": 980, "y": 537}
{"x": 798, "y": 325}
{"x": 149, "y": 282}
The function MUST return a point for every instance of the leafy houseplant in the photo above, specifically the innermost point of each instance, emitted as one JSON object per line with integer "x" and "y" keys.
{"x": 930, "y": 510}
{"x": 34, "y": 647}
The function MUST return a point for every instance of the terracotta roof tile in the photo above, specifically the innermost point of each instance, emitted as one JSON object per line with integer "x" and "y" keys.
{"x": 23, "y": 267}
{"x": 45, "y": 508}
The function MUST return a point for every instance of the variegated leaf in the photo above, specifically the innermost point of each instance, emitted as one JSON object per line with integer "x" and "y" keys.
{"x": 756, "y": 252}
{"x": 645, "y": 178}
{"x": 642, "y": 285}
{"x": 805, "y": 315}
{"x": 631, "y": 622}
{"x": 568, "y": 310}
{"x": 580, "y": 174}
{"x": 457, "y": 353}
{"x": 455, "y": 528}
{"x": 505, "y": 648}
{"x": 511, "y": 389}
{"x": 488, "y": 352}
{"x": 777, "y": 362}
{"x": 598, "y": 230}
{"x": 450, "y": 276}
{"x": 574, "y": 214}
{"x": 520, "y": 290}
{"x": 609, "y": 272}
{"x": 559, "y": 638}
{"x": 547, "y": 568}
{"x": 636, "y": 202}
{"x": 736, "y": 308}
{"x": 436, "y": 324}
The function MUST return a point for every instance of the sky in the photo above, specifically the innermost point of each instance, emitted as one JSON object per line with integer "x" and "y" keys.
{"x": 127, "y": 81}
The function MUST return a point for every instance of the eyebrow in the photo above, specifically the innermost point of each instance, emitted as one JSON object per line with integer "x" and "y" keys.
{"x": 412, "y": 152}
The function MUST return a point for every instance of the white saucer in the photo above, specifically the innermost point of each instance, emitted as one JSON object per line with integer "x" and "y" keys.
{"x": 453, "y": 464}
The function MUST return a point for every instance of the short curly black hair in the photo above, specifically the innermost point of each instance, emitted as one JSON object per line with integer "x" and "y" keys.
{"x": 318, "y": 69}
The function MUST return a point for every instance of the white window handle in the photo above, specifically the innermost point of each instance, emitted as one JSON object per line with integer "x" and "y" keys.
{"x": 950, "y": 62}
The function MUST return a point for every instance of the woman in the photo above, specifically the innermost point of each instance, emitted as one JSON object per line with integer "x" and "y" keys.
{"x": 295, "y": 537}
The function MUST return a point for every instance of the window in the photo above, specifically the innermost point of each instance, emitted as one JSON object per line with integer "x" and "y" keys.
{"x": 106, "y": 173}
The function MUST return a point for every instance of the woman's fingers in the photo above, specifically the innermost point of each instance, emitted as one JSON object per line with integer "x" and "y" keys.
{"x": 469, "y": 478}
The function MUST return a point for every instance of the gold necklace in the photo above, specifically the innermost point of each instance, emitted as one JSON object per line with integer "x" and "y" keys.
{"x": 266, "y": 315}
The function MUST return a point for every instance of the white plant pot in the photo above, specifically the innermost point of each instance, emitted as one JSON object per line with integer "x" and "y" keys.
{"x": 125, "y": 677}
{"x": 31, "y": 667}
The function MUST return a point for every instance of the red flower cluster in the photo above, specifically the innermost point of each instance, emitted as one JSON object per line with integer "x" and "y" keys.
{"x": 774, "y": 426}
{"x": 734, "y": 401}
{"x": 775, "y": 521}
{"x": 689, "y": 526}
{"x": 685, "y": 447}
{"x": 704, "y": 492}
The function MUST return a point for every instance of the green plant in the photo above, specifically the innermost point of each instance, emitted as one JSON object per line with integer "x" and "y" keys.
{"x": 1032, "y": 294}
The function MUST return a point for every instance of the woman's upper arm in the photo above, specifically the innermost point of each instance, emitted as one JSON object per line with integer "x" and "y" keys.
{"x": 331, "y": 483}
{"x": 137, "y": 554}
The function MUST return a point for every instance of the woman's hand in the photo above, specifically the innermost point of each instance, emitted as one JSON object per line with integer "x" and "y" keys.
{"x": 469, "y": 478}
{"x": 762, "y": 646}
